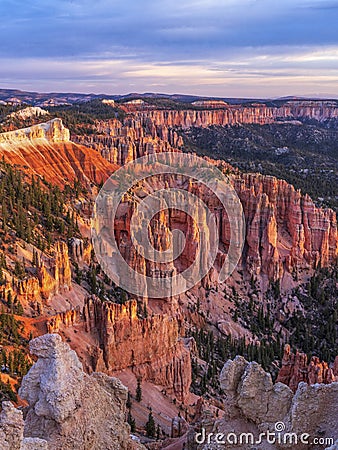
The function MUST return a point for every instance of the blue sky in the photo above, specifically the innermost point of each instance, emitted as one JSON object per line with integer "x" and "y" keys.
{"x": 243, "y": 48}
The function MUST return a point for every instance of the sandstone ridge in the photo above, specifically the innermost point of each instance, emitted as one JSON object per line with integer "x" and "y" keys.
{"x": 52, "y": 131}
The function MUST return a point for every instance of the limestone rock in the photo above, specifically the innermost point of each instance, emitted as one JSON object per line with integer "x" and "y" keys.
{"x": 314, "y": 410}
{"x": 249, "y": 390}
{"x": 260, "y": 404}
{"x": 68, "y": 408}
{"x": 11, "y": 427}
{"x": 34, "y": 444}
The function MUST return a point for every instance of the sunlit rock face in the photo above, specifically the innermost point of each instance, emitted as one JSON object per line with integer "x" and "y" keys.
{"x": 52, "y": 131}
{"x": 296, "y": 368}
{"x": 150, "y": 346}
{"x": 46, "y": 150}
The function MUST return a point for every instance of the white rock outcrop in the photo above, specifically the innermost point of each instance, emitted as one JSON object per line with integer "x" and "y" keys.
{"x": 52, "y": 131}
{"x": 27, "y": 113}
{"x": 11, "y": 431}
{"x": 254, "y": 404}
{"x": 68, "y": 409}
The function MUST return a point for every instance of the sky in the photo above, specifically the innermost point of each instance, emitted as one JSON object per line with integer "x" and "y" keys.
{"x": 224, "y": 48}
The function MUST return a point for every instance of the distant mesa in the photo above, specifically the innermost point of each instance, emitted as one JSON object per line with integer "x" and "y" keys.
{"x": 210, "y": 103}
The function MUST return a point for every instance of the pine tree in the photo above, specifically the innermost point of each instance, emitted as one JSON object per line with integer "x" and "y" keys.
{"x": 131, "y": 421}
{"x": 129, "y": 402}
{"x": 150, "y": 426}
{"x": 138, "y": 391}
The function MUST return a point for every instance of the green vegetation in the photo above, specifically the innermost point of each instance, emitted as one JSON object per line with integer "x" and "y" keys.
{"x": 138, "y": 391}
{"x": 28, "y": 205}
{"x": 151, "y": 426}
{"x": 216, "y": 349}
{"x": 6, "y": 392}
{"x": 305, "y": 155}
{"x": 80, "y": 118}
{"x": 314, "y": 328}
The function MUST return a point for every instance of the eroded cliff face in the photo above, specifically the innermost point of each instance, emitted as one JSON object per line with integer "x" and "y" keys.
{"x": 151, "y": 346}
{"x": 235, "y": 114}
{"x": 296, "y": 368}
{"x": 68, "y": 409}
{"x": 285, "y": 230}
{"x": 67, "y": 318}
{"x": 51, "y": 131}
{"x": 54, "y": 274}
{"x": 80, "y": 251}
{"x": 45, "y": 150}
{"x": 121, "y": 143}
{"x": 285, "y": 233}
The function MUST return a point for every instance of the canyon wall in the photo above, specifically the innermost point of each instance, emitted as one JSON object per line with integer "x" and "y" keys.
{"x": 285, "y": 230}
{"x": 121, "y": 143}
{"x": 235, "y": 114}
{"x": 150, "y": 346}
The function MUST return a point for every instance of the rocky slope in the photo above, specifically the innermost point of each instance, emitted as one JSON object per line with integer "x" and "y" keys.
{"x": 45, "y": 150}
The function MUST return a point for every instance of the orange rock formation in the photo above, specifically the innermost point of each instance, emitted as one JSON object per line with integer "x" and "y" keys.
{"x": 296, "y": 368}
{"x": 151, "y": 347}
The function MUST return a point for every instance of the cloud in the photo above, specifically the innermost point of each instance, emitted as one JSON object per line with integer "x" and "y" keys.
{"x": 123, "y": 44}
